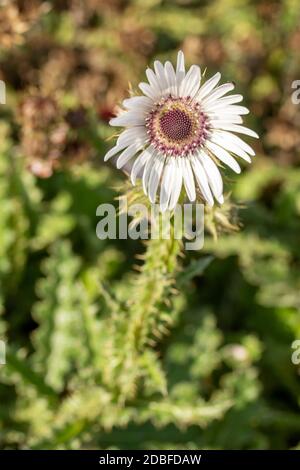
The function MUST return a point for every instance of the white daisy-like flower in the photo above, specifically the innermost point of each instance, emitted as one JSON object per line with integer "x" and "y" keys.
{"x": 179, "y": 131}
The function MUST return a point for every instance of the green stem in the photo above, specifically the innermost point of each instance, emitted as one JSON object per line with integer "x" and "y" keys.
{"x": 152, "y": 289}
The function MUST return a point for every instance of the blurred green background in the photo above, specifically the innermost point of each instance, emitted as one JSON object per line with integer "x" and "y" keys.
{"x": 211, "y": 365}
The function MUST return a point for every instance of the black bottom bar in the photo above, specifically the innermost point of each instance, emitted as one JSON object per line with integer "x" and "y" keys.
{"x": 137, "y": 459}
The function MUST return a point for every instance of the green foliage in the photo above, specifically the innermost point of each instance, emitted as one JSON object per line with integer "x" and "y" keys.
{"x": 123, "y": 344}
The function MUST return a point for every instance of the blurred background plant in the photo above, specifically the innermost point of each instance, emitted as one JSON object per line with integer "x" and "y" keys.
{"x": 99, "y": 354}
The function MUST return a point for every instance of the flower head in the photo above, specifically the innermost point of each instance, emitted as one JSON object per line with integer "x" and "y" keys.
{"x": 178, "y": 131}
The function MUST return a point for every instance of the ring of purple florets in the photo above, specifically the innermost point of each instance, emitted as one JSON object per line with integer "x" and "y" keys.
{"x": 177, "y": 126}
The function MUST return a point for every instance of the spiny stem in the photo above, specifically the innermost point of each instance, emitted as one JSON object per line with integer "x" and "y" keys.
{"x": 144, "y": 320}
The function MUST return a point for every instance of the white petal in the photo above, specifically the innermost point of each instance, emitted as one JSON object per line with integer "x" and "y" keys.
{"x": 190, "y": 84}
{"x": 149, "y": 91}
{"x": 166, "y": 184}
{"x": 220, "y": 91}
{"x": 127, "y": 154}
{"x": 171, "y": 78}
{"x": 213, "y": 175}
{"x": 180, "y": 69}
{"x": 139, "y": 163}
{"x": 224, "y": 156}
{"x": 231, "y": 146}
{"x": 188, "y": 179}
{"x": 202, "y": 180}
{"x": 208, "y": 86}
{"x": 152, "y": 79}
{"x": 226, "y": 119}
{"x": 177, "y": 185}
{"x": 239, "y": 129}
{"x": 113, "y": 151}
{"x": 225, "y": 101}
{"x": 129, "y": 118}
{"x": 138, "y": 102}
{"x": 131, "y": 135}
{"x": 160, "y": 73}
{"x": 232, "y": 137}
{"x": 155, "y": 176}
{"x": 230, "y": 109}
{"x": 147, "y": 171}
{"x": 194, "y": 90}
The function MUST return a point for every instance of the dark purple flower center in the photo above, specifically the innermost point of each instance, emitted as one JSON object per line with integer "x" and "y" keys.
{"x": 176, "y": 124}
